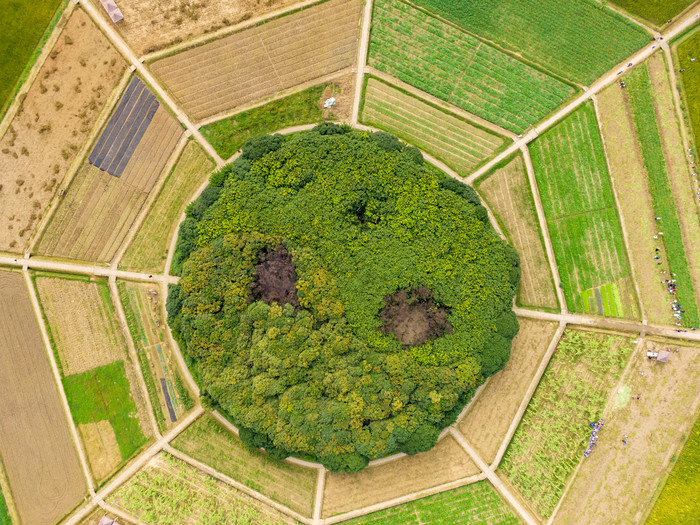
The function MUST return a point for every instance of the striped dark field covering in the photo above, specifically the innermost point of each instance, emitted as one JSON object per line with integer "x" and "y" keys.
{"x": 125, "y": 129}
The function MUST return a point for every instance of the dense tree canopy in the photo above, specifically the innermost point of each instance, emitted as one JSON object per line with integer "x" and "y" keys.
{"x": 362, "y": 218}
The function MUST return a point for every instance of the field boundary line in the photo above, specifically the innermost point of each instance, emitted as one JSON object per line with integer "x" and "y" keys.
{"x": 318, "y": 498}
{"x": 362, "y": 52}
{"x": 57, "y": 379}
{"x": 28, "y": 82}
{"x": 119, "y": 308}
{"x": 446, "y": 106}
{"x": 620, "y": 11}
{"x": 211, "y": 471}
{"x": 152, "y": 196}
{"x": 113, "y": 509}
{"x": 338, "y": 518}
{"x": 542, "y": 219}
{"x": 492, "y": 477}
{"x": 618, "y": 212}
{"x": 78, "y": 160}
{"x": 534, "y": 383}
{"x": 478, "y": 391}
{"x": 8, "y": 495}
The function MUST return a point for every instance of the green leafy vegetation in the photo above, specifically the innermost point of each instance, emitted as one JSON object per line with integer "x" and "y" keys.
{"x": 475, "y": 503}
{"x": 576, "y": 190}
{"x": 104, "y": 393}
{"x": 648, "y": 134}
{"x": 577, "y": 39}
{"x": 554, "y": 431}
{"x": 454, "y": 66}
{"x": 656, "y": 11}
{"x": 22, "y": 25}
{"x": 228, "y": 135}
{"x": 690, "y": 79}
{"x": 390, "y": 299}
{"x": 4, "y": 513}
{"x": 678, "y": 502}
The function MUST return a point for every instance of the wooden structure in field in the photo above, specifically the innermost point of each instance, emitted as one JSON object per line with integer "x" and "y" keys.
{"x": 112, "y": 10}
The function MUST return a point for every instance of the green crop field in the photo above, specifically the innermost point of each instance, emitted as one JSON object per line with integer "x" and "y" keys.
{"x": 454, "y": 66}
{"x": 656, "y": 11}
{"x": 4, "y": 514}
{"x": 648, "y": 134}
{"x": 104, "y": 393}
{"x": 678, "y": 502}
{"x": 475, "y": 503}
{"x": 228, "y": 135}
{"x": 553, "y": 433}
{"x": 577, "y": 196}
{"x": 22, "y": 25}
{"x": 460, "y": 144}
{"x": 577, "y": 39}
{"x": 690, "y": 79}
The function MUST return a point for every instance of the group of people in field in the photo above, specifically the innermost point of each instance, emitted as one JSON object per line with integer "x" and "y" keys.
{"x": 592, "y": 441}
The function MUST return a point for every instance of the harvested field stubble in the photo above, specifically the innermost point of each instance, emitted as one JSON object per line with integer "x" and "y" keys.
{"x": 263, "y": 60}
{"x": 37, "y": 449}
{"x": 459, "y": 143}
{"x": 54, "y": 119}
{"x": 508, "y": 193}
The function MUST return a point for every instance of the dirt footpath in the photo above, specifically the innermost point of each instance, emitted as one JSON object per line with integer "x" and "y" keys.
{"x": 35, "y": 442}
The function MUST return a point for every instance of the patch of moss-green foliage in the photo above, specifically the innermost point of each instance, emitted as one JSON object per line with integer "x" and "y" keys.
{"x": 577, "y": 39}
{"x": 664, "y": 203}
{"x": 656, "y": 11}
{"x": 104, "y": 393}
{"x": 228, "y": 135}
{"x": 4, "y": 513}
{"x": 475, "y": 503}
{"x": 555, "y": 428}
{"x": 690, "y": 79}
{"x": 678, "y": 502}
{"x": 457, "y": 67}
{"x": 362, "y": 219}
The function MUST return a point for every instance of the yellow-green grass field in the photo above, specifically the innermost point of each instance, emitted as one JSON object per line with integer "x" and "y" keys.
{"x": 460, "y": 144}
{"x": 690, "y": 79}
{"x": 658, "y": 12}
{"x": 579, "y": 204}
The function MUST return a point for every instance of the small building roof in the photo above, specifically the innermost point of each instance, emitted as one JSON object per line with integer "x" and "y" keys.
{"x": 663, "y": 356}
{"x": 112, "y": 10}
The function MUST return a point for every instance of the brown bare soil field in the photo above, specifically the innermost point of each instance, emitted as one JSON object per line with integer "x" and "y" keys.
{"x": 97, "y": 210}
{"x": 101, "y": 447}
{"x": 507, "y": 191}
{"x": 617, "y": 483}
{"x": 35, "y": 442}
{"x": 149, "y": 248}
{"x": 446, "y": 462}
{"x": 629, "y": 177}
{"x": 263, "y": 60}
{"x": 487, "y": 420}
{"x": 54, "y": 120}
{"x": 85, "y": 332}
{"x": 150, "y": 25}
{"x": 677, "y": 165}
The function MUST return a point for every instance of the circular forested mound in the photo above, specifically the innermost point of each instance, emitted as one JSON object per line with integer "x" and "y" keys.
{"x": 340, "y": 299}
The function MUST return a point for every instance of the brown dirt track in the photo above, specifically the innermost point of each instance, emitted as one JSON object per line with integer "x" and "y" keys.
{"x": 35, "y": 442}
{"x": 57, "y": 114}
{"x": 263, "y": 60}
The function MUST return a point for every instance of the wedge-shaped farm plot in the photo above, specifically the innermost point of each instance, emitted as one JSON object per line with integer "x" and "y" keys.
{"x": 688, "y": 52}
{"x": 263, "y": 60}
{"x": 457, "y": 67}
{"x": 577, "y": 196}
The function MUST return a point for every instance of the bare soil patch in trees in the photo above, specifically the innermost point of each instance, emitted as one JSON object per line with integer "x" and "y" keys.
{"x": 413, "y": 317}
{"x": 52, "y": 124}
{"x": 275, "y": 279}
{"x": 35, "y": 441}
{"x": 101, "y": 447}
{"x": 150, "y": 25}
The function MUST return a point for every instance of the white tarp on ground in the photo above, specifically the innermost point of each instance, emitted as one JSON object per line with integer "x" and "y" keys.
{"x": 112, "y": 10}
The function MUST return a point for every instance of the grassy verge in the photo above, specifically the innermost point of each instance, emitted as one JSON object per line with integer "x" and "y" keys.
{"x": 104, "y": 393}
{"x": 648, "y": 134}
{"x": 4, "y": 513}
{"x": 228, "y": 135}
{"x": 679, "y": 503}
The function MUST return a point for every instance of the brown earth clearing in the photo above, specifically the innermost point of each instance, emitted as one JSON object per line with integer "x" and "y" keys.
{"x": 149, "y": 249}
{"x": 617, "y": 483}
{"x": 150, "y": 25}
{"x": 101, "y": 447}
{"x": 629, "y": 178}
{"x": 54, "y": 120}
{"x": 507, "y": 192}
{"x": 263, "y": 60}
{"x": 446, "y": 462}
{"x": 413, "y": 317}
{"x": 85, "y": 332}
{"x": 488, "y": 418}
{"x": 275, "y": 279}
{"x": 97, "y": 210}
{"x": 35, "y": 442}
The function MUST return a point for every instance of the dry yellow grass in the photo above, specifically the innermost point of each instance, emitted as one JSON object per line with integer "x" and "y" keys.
{"x": 101, "y": 447}
{"x": 446, "y": 462}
